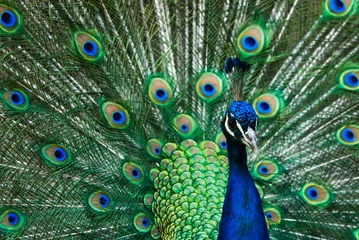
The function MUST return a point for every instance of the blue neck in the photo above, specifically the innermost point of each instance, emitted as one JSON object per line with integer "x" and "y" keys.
{"x": 242, "y": 215}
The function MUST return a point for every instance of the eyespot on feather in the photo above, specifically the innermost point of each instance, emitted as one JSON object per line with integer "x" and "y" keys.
{"x": 315, "y": 195}
{"x": 184, "y": 124}
{"x": 10, "y": 19}
{"x": 154, "y": 148}
{"x": 349, "y": 80}
{"x": 100, "y": 201}
{"x": 221, "y": 141}
{"x": 56, "y": 155}
{"x": 142, "y": 222}
{"x": 338, "y": 8}
{"x": 11, "y": 220}
{"x": 154, "y": 172}
{"x": 273, "y": 215}
{"x": 16, "y": 99}
{"x": 155, "y": 233}
{"x": 266, "y": 105}
{"x": 160, "y": 91}
{"x": 148, "y": 199}
{"x": 169, "y": 148}
{"x": 88, "y": 46}
{"x": 348, "y": 135}
{"x": 266, "y": 170}
{"x": 116, "y": 115}
{"x": 133, "y": 172}
{"x": 251, "y": 41}
{"x": 209, "y": 86}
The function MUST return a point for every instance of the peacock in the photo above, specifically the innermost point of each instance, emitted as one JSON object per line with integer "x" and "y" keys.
{"x": 167, "y": 119}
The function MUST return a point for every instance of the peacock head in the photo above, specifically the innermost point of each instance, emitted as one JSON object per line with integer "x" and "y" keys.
{"x": 240, "y": 124}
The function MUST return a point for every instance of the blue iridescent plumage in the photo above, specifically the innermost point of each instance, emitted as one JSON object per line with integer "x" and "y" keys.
{"x": 242, "y": 216}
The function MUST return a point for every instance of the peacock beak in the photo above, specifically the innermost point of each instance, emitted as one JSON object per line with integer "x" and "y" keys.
{"x": 250, "y": 139}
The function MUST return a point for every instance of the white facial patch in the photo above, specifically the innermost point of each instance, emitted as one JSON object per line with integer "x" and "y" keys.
{"x": 251, "y": 134}
{"x": 249, "y": 137}
{"x": 227, "y": 127}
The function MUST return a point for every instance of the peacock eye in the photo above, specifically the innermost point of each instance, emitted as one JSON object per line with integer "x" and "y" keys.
{"x": 232, "y": 124}
{"x": 88, "y": 46}
{"x": 11, "y": 220}
{"x": 10, "y": 19}
{"x": 100, "y": 201}
{"x": 56, "y": 155}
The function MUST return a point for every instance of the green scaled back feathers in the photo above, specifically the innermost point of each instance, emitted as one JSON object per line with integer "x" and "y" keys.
{"x": 110, "y": 112}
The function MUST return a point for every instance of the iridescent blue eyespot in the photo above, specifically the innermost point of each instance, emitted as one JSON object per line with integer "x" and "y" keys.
{"x": 8, "y": 19}
{"x": 142, "y": 222}
{"x": 103, "y": 200}
{"x": 263, "y": 170}
{"x": 210, "y": 86}
{"x": 208, "y": 89}
{"x": 160, "y": 90}
{"x": 316, "y": 194}
{"x": 59, "y": 154}
{"x": 161, "y": 94}
{"x": 136, "y": 173}
{"x": 56, "y": 155}
{"x": 100, "y": 201}
{"x": 223, "y": 144}
{"x": 145, "y": 222}
{"x": 269, "y": 216}
{"x": 249, "y": 43}
{"x": 221, "y": 141}
{"x": 157, "y": 150}
{"x": 273, "y": 215}
{"x": 348, "y": 135}
{"x": 267, "y": 105}
{"x": 266, "y": 169}
{"x": 16, "y": 98}
{"x": 154, "y": 147}
{"x": 312, "y": 193}
{"x": 185, "y": 125}
{"x": 13, "y": 219}
{"x": 184, "y": 128}
{"x": 263, "y": 107}
{"x": 90, "y": 48}
{"x": 351, "y": 80}
{"x": 133, "y": 172}
{"x": 118, "y": 117}
{"x": 337, "y": 6}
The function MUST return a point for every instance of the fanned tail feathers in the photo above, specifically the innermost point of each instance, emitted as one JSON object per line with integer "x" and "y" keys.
{"x": 110, "y": 116}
